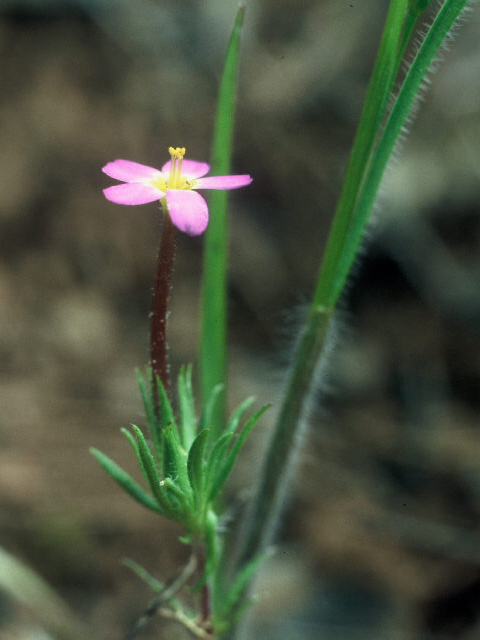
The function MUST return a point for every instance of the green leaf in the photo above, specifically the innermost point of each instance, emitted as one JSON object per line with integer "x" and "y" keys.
{"x": 186, "y": 406}
{"x": 224, "y": 470}
{"x": 371, "y": 118}
{"x": 440, "y": 27}
{"x": 232, "y": 424}
{"x": 150, "y": 414}
{"x": 208, "y": 414}
{"x": 181, "y": 504}
{"x": 177, "y": 460}
{"x": 151, "y": 470}
{"x": 144, "y": 575}
{"x": 165, "y": 408}
{"x": 133, "y": 444}
{"x": 129, "y": 485}
{"x": 418, "y": 6}
{"x": 195, "y": 464}
{"x": 146, "y": 400}
{"x": 212, "y": 359}
{"x": 235, "y": 590}
{"x": 216, "y": 456}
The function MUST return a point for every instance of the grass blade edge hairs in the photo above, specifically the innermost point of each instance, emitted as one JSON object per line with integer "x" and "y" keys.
{"x": 443, "y": 22}
{"x": 373, "y": 112}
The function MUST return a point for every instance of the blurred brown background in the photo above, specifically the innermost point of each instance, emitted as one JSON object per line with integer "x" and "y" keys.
{"x": 381, "y": 536}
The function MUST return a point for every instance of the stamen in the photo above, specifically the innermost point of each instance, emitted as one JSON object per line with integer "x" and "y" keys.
{"x": 173, "y": 162}
{"x": 180, "y": 154}
{"x": 176, "y": 154}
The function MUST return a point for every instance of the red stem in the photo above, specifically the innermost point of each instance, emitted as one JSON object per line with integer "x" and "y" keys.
{"x": 159, "y": 312}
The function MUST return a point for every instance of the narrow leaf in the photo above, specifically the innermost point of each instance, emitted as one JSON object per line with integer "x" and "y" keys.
{"x": 132, "y": 442}
{"x": 126, "y": 482}
{"x": 180, "y": 502}
{"x": 186, "y": 406}
{"x": 215, "y": 458}
{"x": 232, "y": 424}
{"x": 144, "y": 575}
{"x": 151, "y": 469}
{"x": 152, "y": 421}
{"x": 165, "y": 408}
{"x": 212, "y": 360}
{"x": 208, "y": 413}
{"x": 373, "y": 111}
{"x": 146, "y": 400}
{"x": 224, "y": 471}
{"x": 177, "y": 460}
{"x": 195, "y": 464}
{"x": 239, "y": 584}
{"x": 442, "y": 24}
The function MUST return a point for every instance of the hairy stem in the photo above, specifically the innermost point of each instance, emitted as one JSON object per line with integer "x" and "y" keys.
{"x": 283, "y": 442}
{"x": 159, "y": 311}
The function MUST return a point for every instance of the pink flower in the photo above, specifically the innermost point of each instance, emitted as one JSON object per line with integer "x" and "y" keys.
{"x": 174, "y": 184}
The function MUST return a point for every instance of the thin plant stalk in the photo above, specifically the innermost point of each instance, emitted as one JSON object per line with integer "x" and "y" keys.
{"x": 332, "y": 276}
{"x": 159, "y": 310}
{"x": 264, "y": 512}
{"x": 442, "y": 24}
{"x": 213, "y": 315}
{"x": 373, "y": 113}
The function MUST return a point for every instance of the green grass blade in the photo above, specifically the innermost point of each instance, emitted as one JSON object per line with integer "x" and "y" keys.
{"x": 212, "y": 360}
{"x": 442, "y": 24}
{"x": 126, "y": 482}
{"x": 375, "y": 105}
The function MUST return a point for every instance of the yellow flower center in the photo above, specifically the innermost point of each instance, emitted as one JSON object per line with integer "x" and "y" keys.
{"x": 175, "y": 179}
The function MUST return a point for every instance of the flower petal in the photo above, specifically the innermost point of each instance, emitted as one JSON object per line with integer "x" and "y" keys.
{"x": 129, "y": 171}
{"x": 188, "y": 211}
{"x": 223, "y": 182}
{"x": 190, "y": 168}
{"x": 132, "y": 193}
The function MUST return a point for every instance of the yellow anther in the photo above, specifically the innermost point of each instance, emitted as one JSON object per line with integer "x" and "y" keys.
{"x": 176, "y": 157}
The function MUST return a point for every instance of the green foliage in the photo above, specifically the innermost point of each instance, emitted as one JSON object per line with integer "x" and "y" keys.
{"x": 186, "y": 406}
{"x": 125, "y": 481}
{"x": 223, "y": 469}
{"x": 196, "y": 463}
{"x": 330, "y": 280}
{"x": 212, "y": 359}
{"x": 184, "y": 471}
{"x": 416, "y": 7}
{"x": 232, "y": 604}
{"x": 384, "y": 113}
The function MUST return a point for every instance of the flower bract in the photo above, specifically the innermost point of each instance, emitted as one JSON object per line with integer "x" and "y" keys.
{"x": 175, "y": 184}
